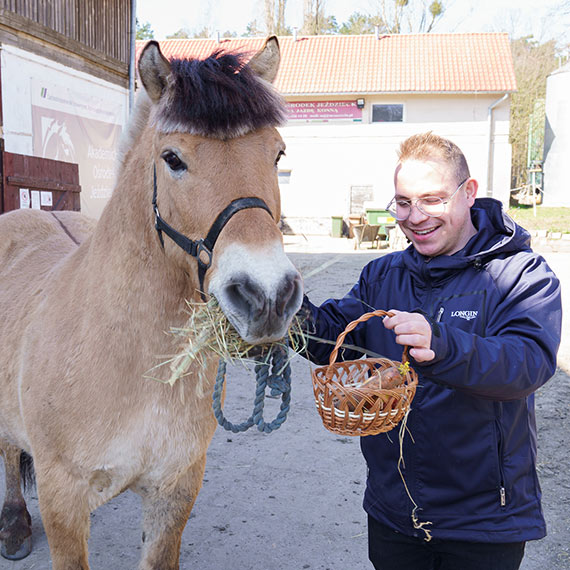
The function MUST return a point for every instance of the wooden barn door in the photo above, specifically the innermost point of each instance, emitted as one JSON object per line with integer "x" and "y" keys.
{"x": 40, "y": 183}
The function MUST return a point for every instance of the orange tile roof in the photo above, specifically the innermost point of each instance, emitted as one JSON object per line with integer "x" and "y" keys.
{"x": 401, "y": 63}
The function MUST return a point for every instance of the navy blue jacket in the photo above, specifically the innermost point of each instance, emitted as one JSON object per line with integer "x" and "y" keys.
{"x": 495, "y": 311}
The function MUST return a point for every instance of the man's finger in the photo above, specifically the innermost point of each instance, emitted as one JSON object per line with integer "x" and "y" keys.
{"x": 422, "y": 354}
{"x": 416, "y": 340}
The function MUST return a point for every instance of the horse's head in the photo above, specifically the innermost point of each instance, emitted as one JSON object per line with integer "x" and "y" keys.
{"x": 215, "y": 151}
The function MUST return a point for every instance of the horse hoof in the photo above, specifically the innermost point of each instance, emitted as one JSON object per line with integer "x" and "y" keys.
{"x": 22, "y": 552}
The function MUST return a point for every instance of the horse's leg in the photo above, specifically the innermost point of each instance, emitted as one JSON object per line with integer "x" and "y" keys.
{"x": 165, "y": 515}
{"x": 65, "y": 513}
{"x": 15, "y": 520}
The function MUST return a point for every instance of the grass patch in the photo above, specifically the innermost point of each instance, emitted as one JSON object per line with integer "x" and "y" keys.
{"x": 551, "y": 219}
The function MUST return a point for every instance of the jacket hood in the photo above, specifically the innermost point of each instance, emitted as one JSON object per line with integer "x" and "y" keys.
{"x": 497, "y": 234}
{"x": 496, "y": 231}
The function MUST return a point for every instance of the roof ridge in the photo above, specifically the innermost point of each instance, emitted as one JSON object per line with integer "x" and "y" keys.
{"x": 332, "y": 36}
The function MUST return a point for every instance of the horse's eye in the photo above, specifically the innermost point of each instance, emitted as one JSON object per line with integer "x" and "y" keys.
{"x": 173, "y": 161}
{"x": 279, "y": 155}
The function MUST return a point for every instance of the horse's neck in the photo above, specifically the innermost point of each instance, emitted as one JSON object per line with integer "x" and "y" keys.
{"x": 127, "y": 253}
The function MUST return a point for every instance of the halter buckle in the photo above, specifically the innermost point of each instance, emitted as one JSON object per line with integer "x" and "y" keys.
{"x": 203, "y": 249}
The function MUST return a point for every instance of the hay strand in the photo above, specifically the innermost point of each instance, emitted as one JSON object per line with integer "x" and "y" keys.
{"x": 208, "y": 334}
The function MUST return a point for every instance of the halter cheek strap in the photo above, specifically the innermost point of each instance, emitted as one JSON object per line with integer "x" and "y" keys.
{"x": 202, "y": 249}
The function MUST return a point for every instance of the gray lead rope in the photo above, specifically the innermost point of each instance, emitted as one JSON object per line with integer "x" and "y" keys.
{"x": 279, "y": 381}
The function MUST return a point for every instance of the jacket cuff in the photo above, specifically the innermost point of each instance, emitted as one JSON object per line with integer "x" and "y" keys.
{"x": 439, "y": 343}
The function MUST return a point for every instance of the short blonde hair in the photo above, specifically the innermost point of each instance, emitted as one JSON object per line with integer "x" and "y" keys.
{"x": 428, "y": 146}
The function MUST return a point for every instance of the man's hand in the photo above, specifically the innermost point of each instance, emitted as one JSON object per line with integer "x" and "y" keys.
{"x": 414, "y": 330}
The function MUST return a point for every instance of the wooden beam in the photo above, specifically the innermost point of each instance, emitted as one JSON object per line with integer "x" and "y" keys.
{"x": 30, "y": 35}
{"x": 30, "y": 182}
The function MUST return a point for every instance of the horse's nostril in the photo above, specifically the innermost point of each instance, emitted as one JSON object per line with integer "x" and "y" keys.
{"x": 246, "y": 296}
{"x": 289, "y": 295}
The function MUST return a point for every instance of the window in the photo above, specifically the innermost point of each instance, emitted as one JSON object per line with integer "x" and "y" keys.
{"x": 388, "y": 113}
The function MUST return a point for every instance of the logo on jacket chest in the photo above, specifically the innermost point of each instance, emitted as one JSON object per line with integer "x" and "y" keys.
{"x": 467, "y": 315}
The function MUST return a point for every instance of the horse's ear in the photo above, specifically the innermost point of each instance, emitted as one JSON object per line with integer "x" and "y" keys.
{"x": 154, "y": 68}
{"x": 265, "y": 62}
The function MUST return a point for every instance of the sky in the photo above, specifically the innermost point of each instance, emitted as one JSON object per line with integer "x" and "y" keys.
{"x": 517, "y": 17}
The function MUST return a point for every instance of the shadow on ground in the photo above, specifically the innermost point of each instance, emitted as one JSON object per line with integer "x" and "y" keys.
{"x": 292, "y": 500}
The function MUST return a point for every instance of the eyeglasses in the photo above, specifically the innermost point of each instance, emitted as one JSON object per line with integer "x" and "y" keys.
{"x": 433, "y": 206}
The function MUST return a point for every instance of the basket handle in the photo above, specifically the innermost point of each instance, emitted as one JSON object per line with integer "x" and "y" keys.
{"x": 353, "y": 324}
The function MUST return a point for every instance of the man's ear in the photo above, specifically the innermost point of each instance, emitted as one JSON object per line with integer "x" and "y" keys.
{"x": 471, "y": 187}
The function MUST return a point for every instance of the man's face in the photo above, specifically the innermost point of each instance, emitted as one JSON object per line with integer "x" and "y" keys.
{"x": 448, "y": 233}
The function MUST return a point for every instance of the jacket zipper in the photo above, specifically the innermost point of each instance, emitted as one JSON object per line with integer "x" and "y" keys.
{"x": 502, "y": 490}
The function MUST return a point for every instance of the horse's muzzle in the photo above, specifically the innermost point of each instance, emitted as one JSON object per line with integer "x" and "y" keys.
{"x": 260, "y": 315}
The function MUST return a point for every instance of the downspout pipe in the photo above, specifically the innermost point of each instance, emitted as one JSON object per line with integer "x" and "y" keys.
{"x": 132, "y": 70}
{"x": 489, "y": 173}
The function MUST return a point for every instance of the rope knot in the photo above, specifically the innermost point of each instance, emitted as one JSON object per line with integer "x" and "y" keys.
{"x": 278, "y": 385}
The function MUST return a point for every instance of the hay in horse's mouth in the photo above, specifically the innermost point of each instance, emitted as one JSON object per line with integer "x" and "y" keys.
{"x": 208, "y": 333}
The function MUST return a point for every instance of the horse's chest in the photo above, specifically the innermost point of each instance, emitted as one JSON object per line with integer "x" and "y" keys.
{"x": 153, "y": 453}
{"x": 176, "y": 444}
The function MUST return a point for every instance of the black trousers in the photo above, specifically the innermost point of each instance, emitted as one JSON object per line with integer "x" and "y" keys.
{"x": 391, "y": 550}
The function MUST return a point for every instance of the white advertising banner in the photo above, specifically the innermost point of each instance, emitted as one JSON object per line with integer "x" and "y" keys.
{"x": 74, "y": 127}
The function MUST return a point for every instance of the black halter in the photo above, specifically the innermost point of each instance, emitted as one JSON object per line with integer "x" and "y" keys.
{"x": 202, "y": 249}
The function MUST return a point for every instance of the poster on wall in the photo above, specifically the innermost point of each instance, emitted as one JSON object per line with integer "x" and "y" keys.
{"x": 323, "y": 111}
{"x": 73, "y": 127}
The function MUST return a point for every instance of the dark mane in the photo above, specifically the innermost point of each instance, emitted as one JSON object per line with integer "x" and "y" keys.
{"x": 217, "y": 97}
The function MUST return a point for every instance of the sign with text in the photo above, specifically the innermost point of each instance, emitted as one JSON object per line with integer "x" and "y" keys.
{"x": 77, "y": 128}
{"x": 311, "y": 111}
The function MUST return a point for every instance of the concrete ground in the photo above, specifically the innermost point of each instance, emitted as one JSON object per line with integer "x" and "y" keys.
{"x": 291, "y": 500}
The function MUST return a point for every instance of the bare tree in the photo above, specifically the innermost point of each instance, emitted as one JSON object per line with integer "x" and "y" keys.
{"x": 435, "y": 11}
{"x": 315, "y": 19}
{"x": 533, "y": 63}
{"x": 275, "y": 17}
{"x": 392, "y": 12}
{"x": 401, "y": 16}
{"x": 312, "y": 13}
{"x": 560, "y": 13}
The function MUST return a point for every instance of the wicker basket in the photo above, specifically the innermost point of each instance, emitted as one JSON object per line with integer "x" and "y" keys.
{"x": 348, "y": 394}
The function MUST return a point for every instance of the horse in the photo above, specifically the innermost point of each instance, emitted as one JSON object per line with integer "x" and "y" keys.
{"x": 85, "y": 306}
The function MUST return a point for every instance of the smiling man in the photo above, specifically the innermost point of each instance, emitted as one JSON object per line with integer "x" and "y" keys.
{"x": 440, "y": 223}
{"x": 482, "y": 314}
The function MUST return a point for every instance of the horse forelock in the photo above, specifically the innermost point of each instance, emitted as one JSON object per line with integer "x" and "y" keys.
{"x": 217, "y": 97}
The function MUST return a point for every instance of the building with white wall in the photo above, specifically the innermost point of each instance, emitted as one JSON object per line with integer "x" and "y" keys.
{"x": 353, "y": 99}
{"x": 64, "y": 70}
